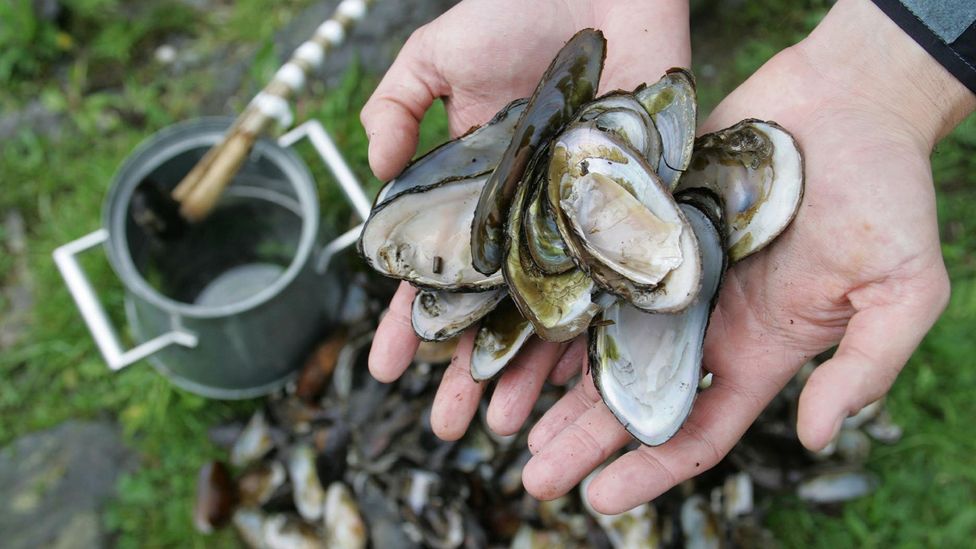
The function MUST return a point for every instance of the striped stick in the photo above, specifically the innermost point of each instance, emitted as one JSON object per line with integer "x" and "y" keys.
{"x": 200, "y": 190}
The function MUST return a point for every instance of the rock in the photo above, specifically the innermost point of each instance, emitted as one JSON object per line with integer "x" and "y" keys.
{"x": 56, "y": 482}
{"x": 33, "y": 117}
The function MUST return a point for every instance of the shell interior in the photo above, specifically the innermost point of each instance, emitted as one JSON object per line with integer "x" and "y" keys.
{"x": 501, "y": 335}
{"x": 439, "y": 315}
{"x": 570, "y": 82}
{"x": 475, "y": 153}
{"x": 620, "y": 223}
{"x": 647, "y": 366}
{"x": 757, "y": 170}
{"x": 559, "y": 306}
{"x": 673, "y": 105}
{"x": 424, "y": 236}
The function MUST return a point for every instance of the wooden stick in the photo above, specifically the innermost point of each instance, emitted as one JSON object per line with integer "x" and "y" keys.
{"x": 201, "y": 189}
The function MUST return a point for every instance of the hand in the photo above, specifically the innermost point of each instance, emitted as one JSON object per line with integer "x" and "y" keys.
{"x": 479, "y": 56}
{"x": 860, "y": 265}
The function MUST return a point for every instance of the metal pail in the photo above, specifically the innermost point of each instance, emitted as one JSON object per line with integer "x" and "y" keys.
{"x": 229, "y": 308}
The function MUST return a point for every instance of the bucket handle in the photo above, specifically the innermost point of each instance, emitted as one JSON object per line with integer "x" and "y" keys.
{"x": 94, "y": 314}
{"x": 353, "y": 190}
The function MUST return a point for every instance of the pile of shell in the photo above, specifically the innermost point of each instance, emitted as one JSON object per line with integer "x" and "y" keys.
{"x": 340, "y": 460}
{"x": 569, "y": 212}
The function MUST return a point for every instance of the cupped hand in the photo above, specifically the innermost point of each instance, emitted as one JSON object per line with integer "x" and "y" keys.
{"x": 479, "y": 56}
{"x": 860, "y": 265}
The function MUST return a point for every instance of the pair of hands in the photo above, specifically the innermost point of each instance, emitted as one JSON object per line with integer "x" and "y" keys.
{"x": 860, "y": 265}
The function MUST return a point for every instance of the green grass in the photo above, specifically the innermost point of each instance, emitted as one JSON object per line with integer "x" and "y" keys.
{"x": 56, "y": 373}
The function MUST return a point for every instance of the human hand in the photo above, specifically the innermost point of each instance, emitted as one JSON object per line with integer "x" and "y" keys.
{"x": 860, "y": 265}
{"x": 479, "y": 56}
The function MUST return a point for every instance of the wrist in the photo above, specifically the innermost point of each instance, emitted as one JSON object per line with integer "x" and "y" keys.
{"x": 862, "y": 53}
{"x": 644, "y": 39}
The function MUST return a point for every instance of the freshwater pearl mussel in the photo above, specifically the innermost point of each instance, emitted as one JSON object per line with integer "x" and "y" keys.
{"x": 570, "y": 213}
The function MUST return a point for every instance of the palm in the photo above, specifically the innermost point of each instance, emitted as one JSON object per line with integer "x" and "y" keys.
{"x": 482, "y": 54}
{"x": 483, "y": 66}
{"x": 859, "y": 259}
{"x": 477, "y": 57}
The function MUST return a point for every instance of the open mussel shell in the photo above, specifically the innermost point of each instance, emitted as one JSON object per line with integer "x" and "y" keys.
{"x": 500, "y": 336}
{"x": 673, "y": 105}
{"x": 837, "y": 486}
{"x": 423, "y": 235}
{"x": 680, "y": 287}
{"x": 559, "y": 306}
{"x": 343, "y": 523}
{"x": 216, "y": 497}
{"x": 620, "y": 223}
{"x": 757, "y": 170}
{"x": 542, "y": 237}
{"x": 647, "y": 366}
{"x": 309, "y": 495}
{"x": 475, "y": 153}
{"x": 438, "y": 316}
{"x": 570, "y": 81}
{"x": 622, "y": 115}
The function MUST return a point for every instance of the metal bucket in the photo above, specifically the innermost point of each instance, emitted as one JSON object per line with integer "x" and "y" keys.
{"x": 229, "y": 308}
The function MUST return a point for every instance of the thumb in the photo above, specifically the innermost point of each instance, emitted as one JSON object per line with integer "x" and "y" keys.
{"x": 393, "y": 113}
{"x": 879, "y": 341}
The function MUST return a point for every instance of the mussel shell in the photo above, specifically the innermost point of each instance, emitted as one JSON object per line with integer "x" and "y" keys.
{"x": 308, "y": 492}
{"x": 584, "y": 148}
{"x": 570, "y": 81}
{"x": 438, "y": 316}
{"x": 216, "y": 497}
{"x": 476, "y": 152}
{"x": 757, "y": 169}
{"x": 681, "y": 286}
{"x": 672, "y": 103}
{"x": 542, "y": 238}
{"x": 837, "y": 486}
{"x": 559, "y": 306}
{"x": 343, "y": 523}
{"x": 620, "y": 113}
{"x": 647, "y": 366}
{"x": 500, "y": 336}
{"x": 422, "y": 235}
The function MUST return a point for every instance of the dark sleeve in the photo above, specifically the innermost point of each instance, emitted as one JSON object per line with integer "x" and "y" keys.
{"x": 945, "y": 28}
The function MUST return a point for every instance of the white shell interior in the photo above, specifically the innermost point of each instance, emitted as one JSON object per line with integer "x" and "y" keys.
{"x": 621, "y": 232}
{"x": 440, "y": 315}
{"x": 490, "y": 354}
{"x": 415, "y": 235}
{"x": 680, "y": 287}
{"x": 761, "y": 203}
{"x": 649, "y": 364}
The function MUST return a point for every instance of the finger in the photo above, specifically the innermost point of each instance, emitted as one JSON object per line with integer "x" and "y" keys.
{"x": 565, "y": 411}
{"x": 572, "y": 453}
{"x": 570, "y": 363}
{"x": 878, "y": 342}
{"x": 395, "y": 342}
{"x": 393, "y": 113}
{"x": 458, "y": 395}
{"x": 721, "y": 415}
{"x": 520, "y": 384}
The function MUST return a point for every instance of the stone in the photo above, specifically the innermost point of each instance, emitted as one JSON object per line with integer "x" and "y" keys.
{"x": 56, "y": 484}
